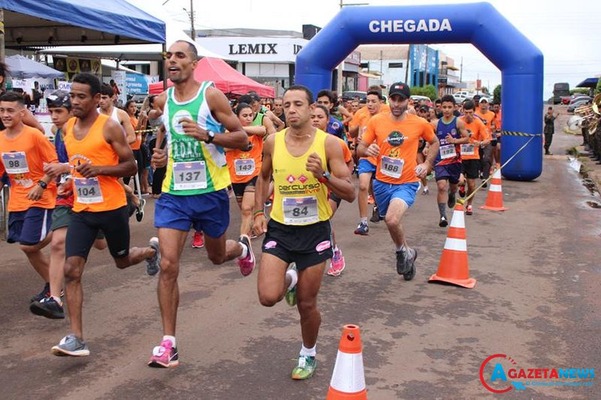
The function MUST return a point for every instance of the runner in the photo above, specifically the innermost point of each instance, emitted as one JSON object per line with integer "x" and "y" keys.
{"x": 59, "y": 106}
{"x": 32, "y": 194}
{"x": 244, "y": 167}
{"x": 394, "y": 138}
{"x": 470, "y": 152}
{"x": 451, "y": 133}
{"x": 98, "y": 156}
{"x": 319, "y": 120}
{"x": 199, "y": 123}
{"x": 305, "y": 163}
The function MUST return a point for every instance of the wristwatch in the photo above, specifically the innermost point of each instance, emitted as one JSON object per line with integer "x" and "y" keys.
{"x": 210, "y": 137}
{"x": 325, "y": 177}
{"x": 42, "y": 184}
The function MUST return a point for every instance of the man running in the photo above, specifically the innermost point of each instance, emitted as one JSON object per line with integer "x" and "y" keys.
{"x": 393, "y": 139}
{"x": 32, "y": 194}
{"x": 305, "y": 162}
{"x": 98, "y": 156}
{"x": 450, "y": 132}
{"x": 199, "y": 124}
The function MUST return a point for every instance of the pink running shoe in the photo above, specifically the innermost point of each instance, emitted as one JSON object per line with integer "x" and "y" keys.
{"x": 164, "y": 356}
{"x": 337, "y": 264}
{"x": 198, "y": 241}
{"x": 247, "y": 264}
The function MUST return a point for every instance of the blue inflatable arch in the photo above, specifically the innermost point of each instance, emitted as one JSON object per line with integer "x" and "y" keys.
{"x": 520, "y": 61}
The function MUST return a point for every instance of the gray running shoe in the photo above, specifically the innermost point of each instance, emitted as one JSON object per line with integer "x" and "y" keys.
{"x": 70, "y": 345}
{"x": 154, "y": 262}
{"x": 405, "y": 263}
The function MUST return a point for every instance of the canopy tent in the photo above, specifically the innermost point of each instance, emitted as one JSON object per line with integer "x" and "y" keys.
{"x": 20, "y": 67}
{"x": 226, "y": 79}
{"x": 35, "y": 23}
{"x": 589, "y": 83}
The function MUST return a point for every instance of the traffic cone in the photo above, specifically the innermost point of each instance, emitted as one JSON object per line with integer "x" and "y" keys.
{"x": 453, "y": 267}
{"x": 348, "y": 379}
{"x": 494, "y": 201}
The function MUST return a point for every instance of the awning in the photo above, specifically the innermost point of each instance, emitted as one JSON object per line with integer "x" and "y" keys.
{"x": 589, "y": 83}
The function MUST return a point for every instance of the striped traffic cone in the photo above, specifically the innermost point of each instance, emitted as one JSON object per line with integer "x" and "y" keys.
{"x": 453, "y": 267}
{"x": 494, "y": 200}
{"x": 348, "y": 378}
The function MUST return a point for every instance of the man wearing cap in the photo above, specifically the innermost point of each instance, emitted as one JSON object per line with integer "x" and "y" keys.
{"x": 393, "y": 139}
{"x": 488, "y": 118}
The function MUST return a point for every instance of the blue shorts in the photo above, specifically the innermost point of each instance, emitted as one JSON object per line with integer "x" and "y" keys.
{"x": 385, "y": 192}
{"x": 450, "y": 172}
{"x": 29, "y": 227}
{"x": 209, "y": 212}
{"x": 365, "y": 167}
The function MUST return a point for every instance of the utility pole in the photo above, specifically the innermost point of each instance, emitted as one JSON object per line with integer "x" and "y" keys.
{"x": 461, "y": 71}
{"x": 192, "y": 29}
{"x": 339, "y": 75}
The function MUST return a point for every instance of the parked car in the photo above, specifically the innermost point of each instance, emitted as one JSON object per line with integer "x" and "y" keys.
{"x": 138, "y": 99}
{"x": 574, "y": 104}
{"x": 417, "y": 98}
{"x": 579, "y": 97}
{"x": 353, "y": 94}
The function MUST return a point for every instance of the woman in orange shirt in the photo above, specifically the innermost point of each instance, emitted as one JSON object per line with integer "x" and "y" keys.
{"x": 244, "y": 166}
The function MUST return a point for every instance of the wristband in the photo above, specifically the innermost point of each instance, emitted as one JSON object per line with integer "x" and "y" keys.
{"x": 257, "y": 213}
{"x": 325, "y": 177}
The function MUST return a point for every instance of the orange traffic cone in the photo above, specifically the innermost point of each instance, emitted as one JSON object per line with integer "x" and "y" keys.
{"x": 453, "y": 267}
{"x": 494, "y": 201}
{"x": 348, "y": 379}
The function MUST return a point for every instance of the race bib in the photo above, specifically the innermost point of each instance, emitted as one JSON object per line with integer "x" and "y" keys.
{"x": 447, "y": 151}
{"x": 392, "y": 167}
{"x": 467, "y": 149}
{"x": 88, "y": 190}
{"x": 244, "y": 167}
{"x": 15, "y": 162}
{"x": 189, "y": 175}
{"x": 300, "y": 210}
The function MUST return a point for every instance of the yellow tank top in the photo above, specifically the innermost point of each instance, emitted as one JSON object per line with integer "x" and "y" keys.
{"x": 299, "y": 198}
{"x": 102, "y": 193}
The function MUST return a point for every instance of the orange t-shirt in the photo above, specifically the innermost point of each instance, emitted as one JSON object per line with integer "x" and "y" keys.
{"x": 245, "y": 165}
{"x": 398, "y": 142}
{"x": 361, "y": 118}
{"x": 138, "y": 143}
{"x": 23, "y": 159}
{"x": 102, "y": 193}
{"x": 498, "y": 118}
{"x": 487, "y": 118}
{"x": 477, "y": 133}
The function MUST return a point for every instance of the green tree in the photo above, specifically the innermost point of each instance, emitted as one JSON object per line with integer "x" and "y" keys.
{"x": 429, "y": 91}
{"x": 598, "y": 88}
{"x": 497, "y": 94}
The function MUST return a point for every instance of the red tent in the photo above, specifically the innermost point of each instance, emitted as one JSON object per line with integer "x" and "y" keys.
{"x": 226, "y": 78}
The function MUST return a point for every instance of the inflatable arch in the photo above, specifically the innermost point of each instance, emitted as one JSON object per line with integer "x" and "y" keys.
{"x": 520, "y": 62}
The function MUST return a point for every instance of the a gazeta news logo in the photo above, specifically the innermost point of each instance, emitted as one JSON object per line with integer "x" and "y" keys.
{"x": 500, "y": 373}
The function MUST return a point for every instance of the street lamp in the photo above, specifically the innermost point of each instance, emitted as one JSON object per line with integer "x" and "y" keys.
{"x": 191, "y": 16}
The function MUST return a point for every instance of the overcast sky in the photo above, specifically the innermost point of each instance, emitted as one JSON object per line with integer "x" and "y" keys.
{"x": 565, "y": 31}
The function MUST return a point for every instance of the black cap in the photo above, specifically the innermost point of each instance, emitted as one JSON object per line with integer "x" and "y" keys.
{"x": 59, "y": 98}
{"x": 399, "y": 88}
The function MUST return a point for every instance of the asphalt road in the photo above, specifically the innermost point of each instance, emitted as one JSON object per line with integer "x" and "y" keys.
{"x": 536, "y": 300}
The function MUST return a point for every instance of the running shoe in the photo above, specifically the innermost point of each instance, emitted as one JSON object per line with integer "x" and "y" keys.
{"x": 291, "y": 292}
{"x": 451, "y": 201}
{"x": 426, "y": 190}
{"x": 164, "y": 356}
{"x": 153, "y": 264}
{"x": 405, "y": 263}
{"x": 140, "y": 210}
{"x": 484, "y": 183}
{"x": 443, "y": 222}
{"x": 462, "y": 190}
{"x": 305, "y": 368}
{"x": 43, "y": 294}
{"x": 362, "y": 229}
{"x": 72, "y": 346}
{"x": 469, "y": 210}
{"x": 337, "y": 264}
{"x": 47, "y": 307}
{"x": 247, "y": 264}
{"x": 198, "y": 241}
{"x": 375, "y": 215}
{"x": 370, "y": 199}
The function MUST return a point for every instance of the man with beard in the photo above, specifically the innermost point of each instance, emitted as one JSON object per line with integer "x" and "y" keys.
{"x": 393, "y": 139}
